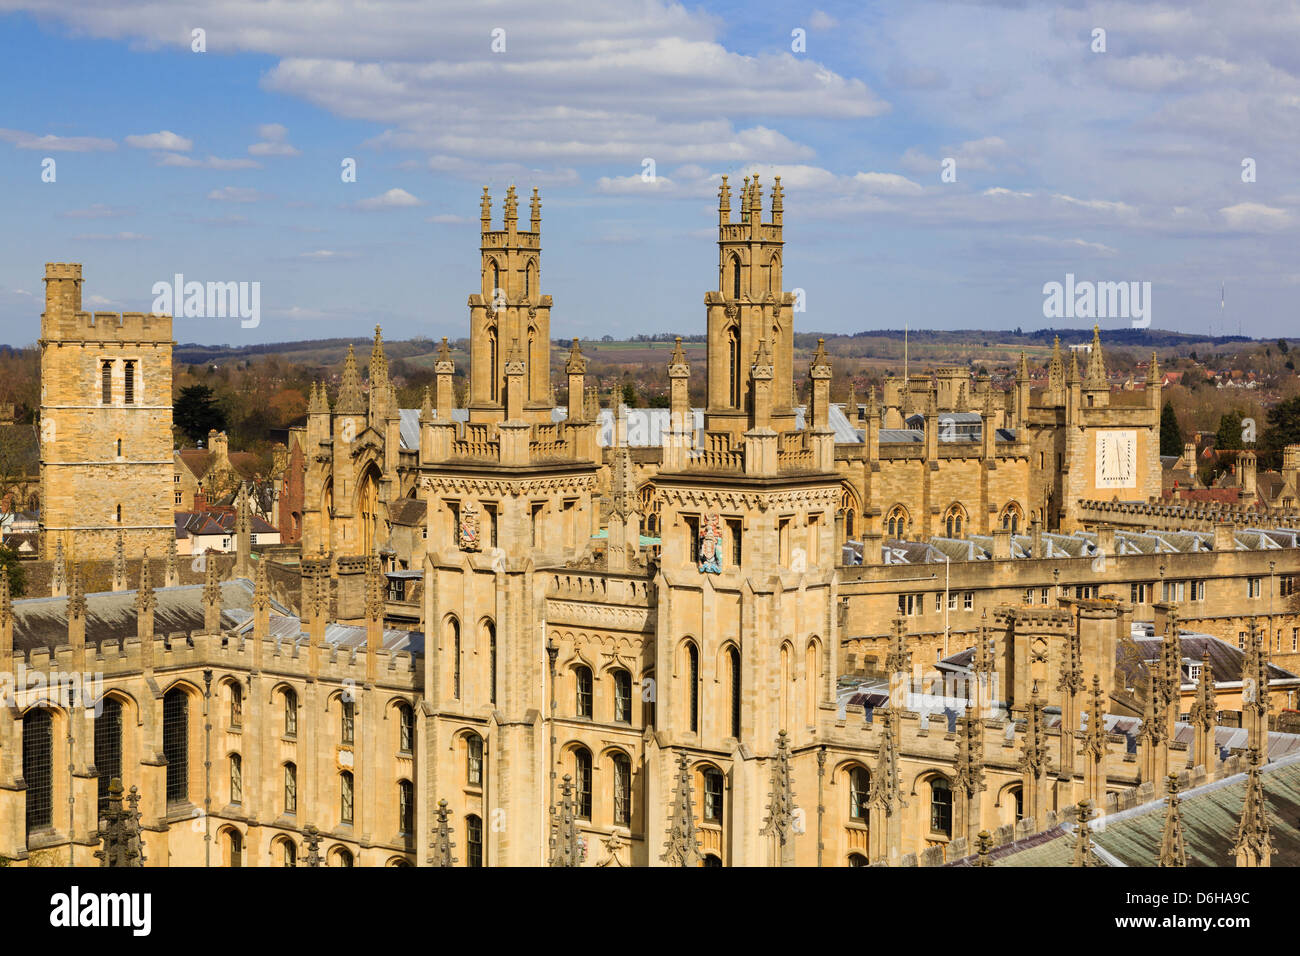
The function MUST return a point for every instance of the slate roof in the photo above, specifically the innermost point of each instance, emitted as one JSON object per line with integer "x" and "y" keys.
{"x": 1210, "y": 816}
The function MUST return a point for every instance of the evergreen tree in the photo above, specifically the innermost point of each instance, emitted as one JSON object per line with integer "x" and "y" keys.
{"x": 196, "y": 413}
{"x": 1171, "y": 436}
{"x": 1228, "y": 437}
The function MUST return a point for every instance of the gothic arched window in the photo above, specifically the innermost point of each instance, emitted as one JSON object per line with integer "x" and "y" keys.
{"x": 859, "y": 787}
{"x": 583, "y": 689}
{"x": 38, "y": 767}
{"x": 896, "y": 523}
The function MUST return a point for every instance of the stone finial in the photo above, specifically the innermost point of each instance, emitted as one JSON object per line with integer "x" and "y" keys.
{"x": 1205, "y": 706}
{"x": 1022, "y": 369}
{"x": 442, "y": 843}
{"x": 985, "y": 848}
{"x": 319, "y": 402}
{"x": 426, "y": 406}
{"x": 577, "y": 363}
{"x": 485, "y": 210}
{"x": 59, "y": 576}
{"x": 970, "y": 754}
{"x": 535, "y": 208}
{"x": 350, "y": 400}
{"x": 119, "y": 563}
{"x": 683, "y": 846}
{"x": 145, "y": 599}
{"x": 1173, "y": 850}
{"x": 1254, "y": 841}
{"x": 119, "y": 830}
{"x": 1094, "y": 741}
{"x": 1033, "y": 752}
{"x": 6, "y": 600}
{"x": 565, "y": 847}
{"x": 724, "y": 202}
{"x": 76, "y": 595}
{"x": 780, "y": 803}
{"x": 1083, "y": 852}
{"x": 261, "y": 587}
{"x": 171, "y": 576}
{"x": 820, "y": 366}
{"x": 1096, "y": 377}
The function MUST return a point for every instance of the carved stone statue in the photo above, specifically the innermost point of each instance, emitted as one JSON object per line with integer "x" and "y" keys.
{"x": 711, "y": 544}
{"x": 469, "y": 536}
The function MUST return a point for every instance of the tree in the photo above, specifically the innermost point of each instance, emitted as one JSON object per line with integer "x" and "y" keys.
{"x": 196, "y": 412}
{"x": 629, "y": 395}
{"x": 1228, "y": 437}
{"x": 1282, "y": 429}
{"x": 1282, "y": 346}
{"x": 1171, "y": 436}
{"x": 10, "y": 565}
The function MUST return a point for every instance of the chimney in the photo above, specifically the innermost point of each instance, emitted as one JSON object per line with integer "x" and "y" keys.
{"x": 1224, "y": 539}
{"x": 1036, "y": 538}
{"x": 1106, "y": 539}
{"x": 1001, "y": 544}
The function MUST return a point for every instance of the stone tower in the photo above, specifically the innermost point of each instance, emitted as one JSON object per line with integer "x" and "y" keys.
{"x": 106, "y": 425}
{"x": 747, "y": 309}
{"x": 510, "y": 319}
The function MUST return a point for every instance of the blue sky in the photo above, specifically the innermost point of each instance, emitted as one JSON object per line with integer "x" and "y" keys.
{"x": 1123, "y": 165}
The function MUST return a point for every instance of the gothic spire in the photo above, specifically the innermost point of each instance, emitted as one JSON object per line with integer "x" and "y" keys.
{"x": 1205, "y": 706}
{"x": 565, "y": 849}
{"x": 1083, "y": 853}
{"x": 119, "y": 563}
{"x": 119, "y": 837}
{"x": 683, "y": 846}
{"x": 1022, "y": 369}
{"x": 1094, "y": 741}
{"x": 1173, "y": 851}
{"x": 426, "y": 406}
{"x": 1254, "y": 843}
{"x": 350, "y": 401}
{"x": 1096, "y": 377}
{"x": 144, "y": 596}
{"x": 886, "y": 792}
{"x": 1033, "y": 753}
{"x": 442, "y": 843}
{"x": 679, "y": 355}
{"x": 318, "y": 403}
{"x": 970, "y": 754}
{"x": 780, "y": 805}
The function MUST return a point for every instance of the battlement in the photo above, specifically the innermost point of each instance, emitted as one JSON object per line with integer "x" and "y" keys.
{"x": 112, "y": 327}
{"x": 64, "y": 320}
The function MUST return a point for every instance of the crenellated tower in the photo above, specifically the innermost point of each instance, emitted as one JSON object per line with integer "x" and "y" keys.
{"x": 749, "y": 307}
{"x": 510, "y": 319}
{"x": 106, "y": 425}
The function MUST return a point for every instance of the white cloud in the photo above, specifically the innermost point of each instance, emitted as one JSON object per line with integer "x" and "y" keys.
{"x": 393, "y": 199}
{"x": 164, "y": 139}
{"x": 110, "y": 237}
{"x": 96, "y": 211}
{"x": 212, "y": 162}
{"x": 236, "y": 194}
{"x": 1255, "y": 217}
{"x": 323, "y": 255}
{"x": 447, "y": 219}
{"x": 51, "y": 143}
{"x": 275, "y": 142}
{"x": 633, "y": 185}
{"x": 820, "y": 20}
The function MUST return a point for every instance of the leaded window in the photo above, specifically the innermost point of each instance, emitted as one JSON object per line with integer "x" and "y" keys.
{"x": 38, "y": 762}
{"x": 582, "y": 783}
{"x": 582, "y": 678}
{"x": 290, "y": 789}
{"x": 345, "y": 797}
{"x": 108, "y": 747}
{"x": 622, "y": 696}
{"x": 473, "y": 840}
{"x": 474, "y": 760}
{"x": 176, "y": 744}
{"x": 622, "y": 790}
{"x": 712, "y": 796}
{"x": 348, "y": 725}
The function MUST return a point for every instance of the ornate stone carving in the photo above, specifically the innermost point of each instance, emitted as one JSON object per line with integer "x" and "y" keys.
{"x": 467, "y": 535}
{"x": 710, "y": 541}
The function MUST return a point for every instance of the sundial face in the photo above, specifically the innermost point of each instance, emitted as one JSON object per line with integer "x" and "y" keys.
{"x": 1116, "y": 459}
